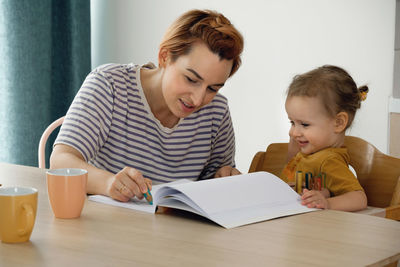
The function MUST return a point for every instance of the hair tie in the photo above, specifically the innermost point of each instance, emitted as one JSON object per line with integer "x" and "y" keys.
{"x": 363, "y": 91}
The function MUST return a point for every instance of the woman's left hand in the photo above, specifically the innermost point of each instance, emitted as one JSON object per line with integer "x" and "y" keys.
{"x": 226, "y": 171}
{"x": 314, "y": 199}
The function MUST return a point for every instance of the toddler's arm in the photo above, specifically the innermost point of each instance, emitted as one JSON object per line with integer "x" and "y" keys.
{"x": 350, "y": 201}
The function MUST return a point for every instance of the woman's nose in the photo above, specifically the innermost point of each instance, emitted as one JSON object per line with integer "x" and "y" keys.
{"x": 198, "y": 96}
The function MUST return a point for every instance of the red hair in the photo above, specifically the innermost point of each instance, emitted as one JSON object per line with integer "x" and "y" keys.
{"x": 210, "y": 27}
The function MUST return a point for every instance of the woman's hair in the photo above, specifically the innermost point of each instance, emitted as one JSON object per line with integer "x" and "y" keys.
{"x": 210, "y": 27}
{"x": 334, "y": 86}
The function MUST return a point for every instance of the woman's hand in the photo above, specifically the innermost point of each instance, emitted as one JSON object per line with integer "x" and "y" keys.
{"x": 226, "y": 171}
{"x": 127, "y": 184}
{"x": 314, "y": 199}
{"x": 122, "y": 186}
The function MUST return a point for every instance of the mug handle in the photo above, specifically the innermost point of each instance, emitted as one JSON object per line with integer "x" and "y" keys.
{"x": 29, "y": 219}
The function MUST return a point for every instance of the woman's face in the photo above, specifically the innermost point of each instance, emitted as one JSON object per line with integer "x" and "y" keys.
{"x": 193, "y": 80}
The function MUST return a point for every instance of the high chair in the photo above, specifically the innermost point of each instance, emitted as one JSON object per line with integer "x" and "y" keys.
{"x": 43, "y": 140}
{"x": 378, "y": 173}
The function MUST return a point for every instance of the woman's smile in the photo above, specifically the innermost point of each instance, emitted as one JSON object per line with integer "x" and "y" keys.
{"x": 186, "y": 106}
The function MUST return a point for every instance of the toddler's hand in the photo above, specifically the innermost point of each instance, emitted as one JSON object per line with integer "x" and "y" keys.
{"x": 314, "y": 199}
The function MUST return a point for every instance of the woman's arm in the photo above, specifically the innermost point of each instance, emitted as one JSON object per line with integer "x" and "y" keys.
{"x": 223, "y": 144}
{"x": 121, "y": 186}
{"x": 226, "y": 171}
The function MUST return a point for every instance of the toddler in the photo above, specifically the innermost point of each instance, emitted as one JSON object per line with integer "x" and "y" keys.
{"x": 321, "y": 105}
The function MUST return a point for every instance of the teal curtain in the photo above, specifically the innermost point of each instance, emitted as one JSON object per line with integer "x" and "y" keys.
{"x": 44, "y": 58}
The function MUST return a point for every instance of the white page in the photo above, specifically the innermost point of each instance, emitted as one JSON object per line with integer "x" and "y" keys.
{"x": 177, "y": 196}
{"x": 233, "y": 201}
{"x": 135, "y": 203}
{"x": 234, "y": 218}
{"x": 234, "y": 192}
{"x": 176, "y": 204}
{"x": 230, "y": 201}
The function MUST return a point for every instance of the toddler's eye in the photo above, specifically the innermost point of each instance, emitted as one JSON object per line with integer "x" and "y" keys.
{"x": 305, "y": 124}
{"x": 292, "y": 123}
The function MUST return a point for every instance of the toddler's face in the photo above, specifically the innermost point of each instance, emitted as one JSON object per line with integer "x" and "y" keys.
{"x": 311, "y": 126}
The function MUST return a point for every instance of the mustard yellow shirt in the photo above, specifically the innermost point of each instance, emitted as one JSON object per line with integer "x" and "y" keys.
{"x": 333, "y": 162}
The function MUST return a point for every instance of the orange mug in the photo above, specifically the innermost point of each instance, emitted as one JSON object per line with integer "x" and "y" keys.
{"x": 67, "y": 191}
{"x": 18, "y": 207}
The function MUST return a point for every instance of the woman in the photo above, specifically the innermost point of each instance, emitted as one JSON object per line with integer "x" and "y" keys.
{"x": 130, "y": 126}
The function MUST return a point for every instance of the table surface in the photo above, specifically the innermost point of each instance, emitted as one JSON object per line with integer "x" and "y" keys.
{"x": 112, "y": 236}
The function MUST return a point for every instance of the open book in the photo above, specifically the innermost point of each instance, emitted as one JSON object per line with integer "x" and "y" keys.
{"x": 230, "y": 201}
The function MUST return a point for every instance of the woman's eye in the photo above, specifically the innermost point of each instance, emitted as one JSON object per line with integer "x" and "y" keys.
{"x": 212, "y": 89}
{"x": 190, "y": 80}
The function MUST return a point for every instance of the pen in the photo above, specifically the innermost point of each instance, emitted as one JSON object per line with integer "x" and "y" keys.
{"x": 323, "y": 179}
{"x": 309, "y": 185}
{"x": 148, "y": 197}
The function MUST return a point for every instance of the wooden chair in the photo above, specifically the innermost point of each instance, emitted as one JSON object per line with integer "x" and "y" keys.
{"x": 43, "y": 140}
{"x": 378, "y": 173}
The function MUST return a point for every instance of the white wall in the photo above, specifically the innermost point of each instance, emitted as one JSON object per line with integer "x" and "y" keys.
{"x": 282, "y": 38}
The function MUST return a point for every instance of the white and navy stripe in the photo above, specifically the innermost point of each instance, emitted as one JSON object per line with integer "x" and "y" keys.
{"x": 111, "y": 124}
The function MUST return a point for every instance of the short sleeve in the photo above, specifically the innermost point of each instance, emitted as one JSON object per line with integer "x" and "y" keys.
{"x": 340, "y": 179}
{"x": 89, "y": 117}
{"x": 223, "y": 147}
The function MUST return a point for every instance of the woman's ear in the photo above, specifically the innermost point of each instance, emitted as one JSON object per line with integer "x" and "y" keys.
{"x": 162, "y": 57}
{"x": 342, "y": 118}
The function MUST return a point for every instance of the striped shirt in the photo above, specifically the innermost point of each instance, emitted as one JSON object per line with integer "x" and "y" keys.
{"x": 110, "y": 123}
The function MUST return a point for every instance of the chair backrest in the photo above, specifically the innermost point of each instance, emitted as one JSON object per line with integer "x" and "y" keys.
{"x": 378, "y": 173}
{"x": 43, "y": 140}
{"x": 272, "y": 160}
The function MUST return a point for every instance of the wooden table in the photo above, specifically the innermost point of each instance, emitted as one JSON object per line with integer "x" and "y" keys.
{"x": 112, "y": 236}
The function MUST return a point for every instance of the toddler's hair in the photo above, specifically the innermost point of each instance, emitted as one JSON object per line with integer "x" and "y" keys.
{"x": 334, "y": 86}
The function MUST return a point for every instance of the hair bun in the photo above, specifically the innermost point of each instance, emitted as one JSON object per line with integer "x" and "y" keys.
{"x": 363, "y": 91}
